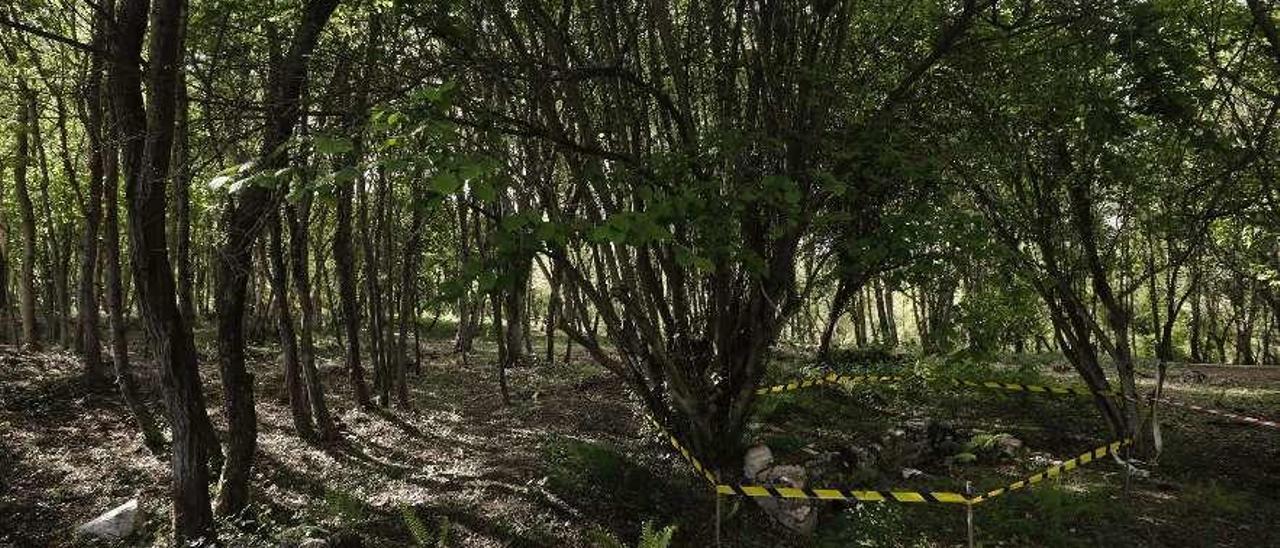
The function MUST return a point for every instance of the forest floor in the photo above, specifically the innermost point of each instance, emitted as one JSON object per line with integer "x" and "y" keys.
{"x": 572, "y": 456}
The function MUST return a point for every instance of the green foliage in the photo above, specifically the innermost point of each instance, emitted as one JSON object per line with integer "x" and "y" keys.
{"x": 1211, "y": 497}
{"x": 867, "y": 525}
{"x": 1060, "y": 512}
{"x": 347, "y": 507}
{"x": 422, "y": 535}
{"x": 649, "y": 537}
{"x": 598, "y": 472}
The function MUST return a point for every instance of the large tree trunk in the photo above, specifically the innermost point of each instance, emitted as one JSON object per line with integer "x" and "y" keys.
{"x": 146, "y": 135}
{"x": 104, "y": 166}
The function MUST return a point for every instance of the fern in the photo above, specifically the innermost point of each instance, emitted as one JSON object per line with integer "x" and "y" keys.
{"x": 603, "y": 539}
{"x": 421, "y": 536}
{"x": 649, "y": 538}
{"x": 442, "y": 541}
{"x": 347, "y": 506}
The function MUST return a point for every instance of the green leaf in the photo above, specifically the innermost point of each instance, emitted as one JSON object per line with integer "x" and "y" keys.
{"x": 345, "y": 175}
{"x": 332, "y": 145}
{"x": 446, "y": 182}
{"x": 484, "y": 190}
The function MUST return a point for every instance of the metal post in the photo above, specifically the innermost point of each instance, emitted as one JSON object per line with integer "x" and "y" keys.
{"x": 968, "y": 509}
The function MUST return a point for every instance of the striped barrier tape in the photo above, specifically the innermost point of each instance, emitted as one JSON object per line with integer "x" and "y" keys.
{"x": 688, "y": 455}
{"x": 763, "y": 491}
{"x": 829, "y": 378}
{"x": 1225, "y": 414}
{"x": 853, "y": 495}
{"x": 1055, "y": 470}
{"x": 850, "y": 380}
{"x": 768, "y": 491}
{"x": 1037, "y": 388}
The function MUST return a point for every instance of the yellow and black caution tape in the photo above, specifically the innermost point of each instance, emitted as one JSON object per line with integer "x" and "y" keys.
{"x": 796, "y": 493}
{"x": 925, "y": 496}
{"x": 850, "y": 380}
{"x": 829, "y": 378}
{"x": 765, "y": 491}
{"x": 1037, "y": 388}
{"x": 697, "y": 465}
{"x": 1055, "y": 470}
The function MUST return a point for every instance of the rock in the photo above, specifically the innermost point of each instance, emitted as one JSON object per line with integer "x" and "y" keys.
{"x": 797, "y": 515}
{"x": 117, "y": 523}
{"x": 1008, "y": 446}
{"x": 908, "y": 473}
{"x": 861, "y": 458}
{"x": 757, "y": 458}
{"x": 314, "y": 543}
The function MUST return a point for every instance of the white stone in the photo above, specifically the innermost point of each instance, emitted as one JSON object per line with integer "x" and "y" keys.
{"x": 117, "y": 523}
{"x": 797, "y": 515}
{"x": 314, "y": 543}
{"x": 757, "y": 458}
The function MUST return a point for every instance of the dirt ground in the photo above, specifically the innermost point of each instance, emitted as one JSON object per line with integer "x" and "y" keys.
{"x": 571, "y": 457}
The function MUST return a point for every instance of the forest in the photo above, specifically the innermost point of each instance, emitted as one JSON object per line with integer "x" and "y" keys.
{"x": 651, "y": 273}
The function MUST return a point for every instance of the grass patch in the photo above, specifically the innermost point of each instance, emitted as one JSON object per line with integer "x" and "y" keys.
{"x": 599, "y": 473}
{"x": 1212, "y": 497}
{"x": 1069, "y": 514}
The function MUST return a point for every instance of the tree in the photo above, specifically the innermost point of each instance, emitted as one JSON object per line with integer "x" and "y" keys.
{"x": 146, "y": 135}
{"x": 242, "y": 220}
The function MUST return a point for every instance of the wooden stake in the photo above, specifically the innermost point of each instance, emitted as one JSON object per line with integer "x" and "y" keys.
{"x": 968, "y": 509}
{"x": 717, "y": 516}
{"x": 1128, "y": 451}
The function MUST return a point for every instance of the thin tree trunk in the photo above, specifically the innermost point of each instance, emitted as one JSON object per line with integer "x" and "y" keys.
{"x": 299, "y": 235}
{"x": 299, "y": 407}
{"x": 182, "y": 204}
{"x": 27, "y": 121}
{"x": 373, "y": 295}
{"x": 104, "y": 165}
{"x": 344, "y": 257}
{"x": 1195, "y": 329}
{"x": 90, "y": 341}
{"x": 6, "y": 308}
{"x": 408, "y": 294}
